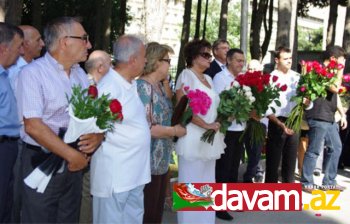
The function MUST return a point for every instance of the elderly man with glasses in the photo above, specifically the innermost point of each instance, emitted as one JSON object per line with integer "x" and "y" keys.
{"x": 43, "y": 87}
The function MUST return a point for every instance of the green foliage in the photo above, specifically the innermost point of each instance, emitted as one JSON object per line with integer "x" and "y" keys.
{"x": 310, "y": 40}
{"x": 84, "y": 9}
{"x": 213, "y": 20}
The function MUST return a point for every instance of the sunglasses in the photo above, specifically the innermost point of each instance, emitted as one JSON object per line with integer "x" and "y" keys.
{"x": 84, "y": 37}
{"x": 166, "y": 60}
{"x": 206, "y": 55}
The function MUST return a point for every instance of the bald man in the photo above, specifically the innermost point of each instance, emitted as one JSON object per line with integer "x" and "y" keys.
{"x": 97, "y": 65}
{"x": 32, "y": 46}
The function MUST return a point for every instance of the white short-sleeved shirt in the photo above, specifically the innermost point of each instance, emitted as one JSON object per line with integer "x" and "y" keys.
{"x": 290, "y": 79}
{"x": 222, "y": 80}
{"x": 123, "y": 160}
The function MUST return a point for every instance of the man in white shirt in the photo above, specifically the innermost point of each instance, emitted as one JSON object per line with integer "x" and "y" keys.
{"x": 227, "y": 166}
{"x": 121, "y": 167}
{"x": 282, "y": 142}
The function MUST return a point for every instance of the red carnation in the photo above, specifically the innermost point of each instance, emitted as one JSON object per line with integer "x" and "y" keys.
{"x": 284, "y": 88}
{"x": 92, "y": 91}
{"x": 115, "y": 106}
{"x": 120, "y": 117}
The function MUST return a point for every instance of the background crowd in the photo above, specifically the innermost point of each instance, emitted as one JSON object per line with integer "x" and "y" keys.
{"x": 122, "y": 176}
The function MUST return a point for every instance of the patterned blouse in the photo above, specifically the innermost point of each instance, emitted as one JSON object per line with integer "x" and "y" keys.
{"x": 159, "y": 111}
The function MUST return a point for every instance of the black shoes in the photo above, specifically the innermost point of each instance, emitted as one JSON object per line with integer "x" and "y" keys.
{"x": 224, "y": 215}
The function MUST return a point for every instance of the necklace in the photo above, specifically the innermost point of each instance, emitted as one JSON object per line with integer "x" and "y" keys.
{"x": 201, "y": 78}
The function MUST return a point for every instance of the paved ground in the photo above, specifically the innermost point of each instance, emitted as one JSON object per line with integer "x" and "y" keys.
{"x": 341, "y": 216}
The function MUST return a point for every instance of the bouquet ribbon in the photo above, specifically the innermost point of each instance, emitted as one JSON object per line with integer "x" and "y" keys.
{"x": 47, "y": 165}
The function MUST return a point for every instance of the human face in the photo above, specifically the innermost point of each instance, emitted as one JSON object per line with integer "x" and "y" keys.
{"x": 139, "y": 60}
{"x": 236, "y": 63}
{"x": 220, "y": 52}
{"x": 163, "y": 65}
{"x": 284, "y": 62}
{"x": 14, "y": 49}
{"x": 33, "y": 44}
{"x": 203, "y": 59}
{"x": 77, "y": 44}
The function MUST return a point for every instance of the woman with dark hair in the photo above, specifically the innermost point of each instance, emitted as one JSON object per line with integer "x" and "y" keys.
{"x": 197, "y": 158}
{"x": 158, "y": 106}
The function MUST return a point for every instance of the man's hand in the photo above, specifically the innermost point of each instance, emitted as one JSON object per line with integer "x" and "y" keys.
{"x": 343, "y": 122}
{"x": 287, "y": 130}
{"x": 90, "y": 142}
{"x": 77, "y": 161}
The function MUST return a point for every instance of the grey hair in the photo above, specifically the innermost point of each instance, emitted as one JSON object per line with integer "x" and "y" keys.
{"x": 125, "y": 47}
{"x": 54, "y": 29}
{"x": 8, "y": 32}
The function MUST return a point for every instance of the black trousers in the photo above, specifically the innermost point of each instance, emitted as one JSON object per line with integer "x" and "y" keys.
{"x": 8, "y": 155}
{"x": 280, "y": 146}
{"x": 226, "y": 170}
{"x": 60, "y": 203}
{"x": 154, "y": 198}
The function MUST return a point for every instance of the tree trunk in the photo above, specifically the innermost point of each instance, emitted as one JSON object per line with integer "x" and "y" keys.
{"x": 223, "y": 20}
{"x": 2, "y": 10}
{"x": 258, "y": 13}
{"x": 36, "y": 14}
{"x": 332, "y": 22}
{"x": 346, "y": 37}
{"x": 205, "y": 18}
{"x": 98, "y": 24}
{"x": 198, "y": 19}
{"x": 268, "y": 30}
{"x": 106, "y": 26}
{"x": 184, "y": 36}
{"x": 122, "y": 17}
{"x": 14, "y": 12}
{"x": 287, "y": 10}
{"x": 154, "y": 18}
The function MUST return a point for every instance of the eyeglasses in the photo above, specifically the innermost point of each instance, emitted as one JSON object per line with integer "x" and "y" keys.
{"x": 206, "y": 55}
{"x": 84, "y": 37}
{"x": 166, "y": 60}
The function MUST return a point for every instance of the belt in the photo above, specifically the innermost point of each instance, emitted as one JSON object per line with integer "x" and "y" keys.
{"x": 39, "y": 149}
{"x": 8, "y": 138}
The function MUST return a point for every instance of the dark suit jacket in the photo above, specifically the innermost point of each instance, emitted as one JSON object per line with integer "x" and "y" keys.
{"x": 213, "y": 69}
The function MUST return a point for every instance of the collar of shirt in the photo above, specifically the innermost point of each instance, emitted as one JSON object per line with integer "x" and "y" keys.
{"x": 56, "y": 64}
{"x": 222, "y": 66}
{"x": 123, "y": 81}
{"x": 3, "y": 71}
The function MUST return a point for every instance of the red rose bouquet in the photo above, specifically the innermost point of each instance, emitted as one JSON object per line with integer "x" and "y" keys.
{"x": 236, "y": 102}
{"x": 91, "y": 114}
{"x": 314, "y": 81}
{"x": 88, "y": 114}
{"x": 265, "y": 91}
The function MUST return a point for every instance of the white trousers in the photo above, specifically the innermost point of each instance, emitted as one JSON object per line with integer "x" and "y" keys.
{"x": 196, "y": 172}
{"x": 124, "y": 207}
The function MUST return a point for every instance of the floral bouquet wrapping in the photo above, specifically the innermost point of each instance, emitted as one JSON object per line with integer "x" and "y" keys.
{"x": 194, "y": 102}
{"x": 88, "y": 114}
{"x": 265, "y": 91}
{"x": 314, "y": 81}
{"x": 236, "y": 102}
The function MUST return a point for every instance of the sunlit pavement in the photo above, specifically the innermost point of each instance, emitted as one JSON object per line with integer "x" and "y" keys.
{"x": 306, "y": 216}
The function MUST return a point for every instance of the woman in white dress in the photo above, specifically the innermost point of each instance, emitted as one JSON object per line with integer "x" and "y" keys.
{"x": 196, "y": 158}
